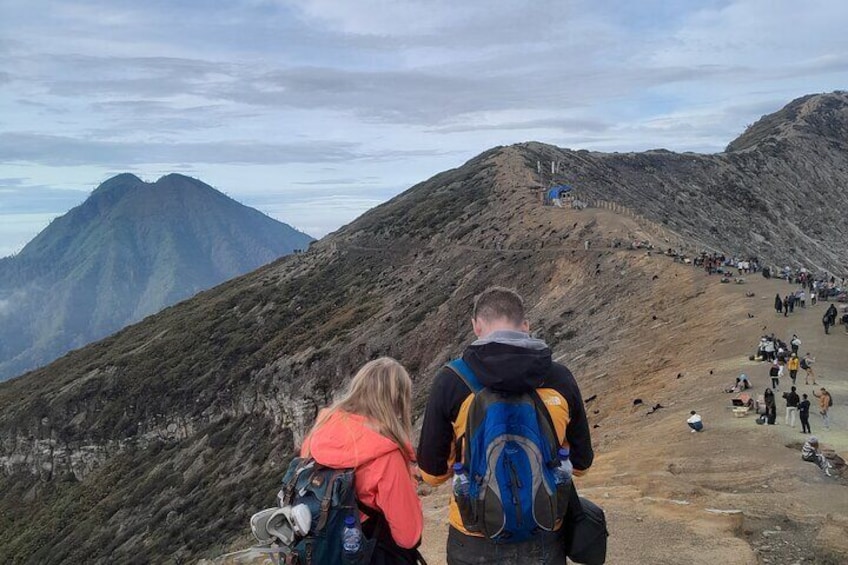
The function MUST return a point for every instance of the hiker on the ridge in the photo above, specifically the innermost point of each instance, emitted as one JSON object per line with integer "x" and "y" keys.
{"x": 782, "y": 354}
{"x": 825, "y": 402}
{"x": 829, "y": 318}
{"x": 807, "y": 365}
{"x": 804, "y": 414}
{"x": 793, "y": 365}
{"x": 771, "y": 407}
{"x": 369, "y": 429}
{"x": 695, "y": 422}
{"x": 792, "y": 401}
{"x": 774, "y": 373}
{"x": 505, "y": 362}
{"x": 810, "y": 452}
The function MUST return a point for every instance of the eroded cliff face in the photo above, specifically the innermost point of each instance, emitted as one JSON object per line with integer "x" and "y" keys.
{"x": 780, "y": 192}
{"x": 47, "y": 447}
{"x": 190, "y": 416}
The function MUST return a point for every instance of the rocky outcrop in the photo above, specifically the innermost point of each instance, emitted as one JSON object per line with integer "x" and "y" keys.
{"x": 779, "y": 192}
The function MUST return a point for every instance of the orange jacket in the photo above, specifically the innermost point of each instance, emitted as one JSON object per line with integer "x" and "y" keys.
{"x": 794, "y": 364}
{"x": 382, "y": 477}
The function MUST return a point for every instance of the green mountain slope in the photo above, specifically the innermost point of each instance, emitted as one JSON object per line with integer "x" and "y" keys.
{"x": 129, "y": 250}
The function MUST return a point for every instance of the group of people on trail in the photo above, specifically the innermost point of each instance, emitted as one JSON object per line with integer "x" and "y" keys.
{"x": 786, "y": 305}
{"x": 795, "y": 404}
{"x": 782, "y": 358}
{"x": 719, "y": 263}
{"x": 504, "y": 422}
{"x": 821, "y": 287}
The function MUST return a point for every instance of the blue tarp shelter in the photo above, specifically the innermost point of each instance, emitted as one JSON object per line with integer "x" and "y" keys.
{"x": 558, "y": 191}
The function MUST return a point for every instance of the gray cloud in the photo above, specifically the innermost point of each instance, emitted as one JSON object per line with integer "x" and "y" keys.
{"x": 7, "y": 182}
{"x": 562, "y": 124}
{"x": 339, "y": 182}
{"x": 18, "y": 196}
{"x": 53, "y": 150}
{"x": 64, "y": 151}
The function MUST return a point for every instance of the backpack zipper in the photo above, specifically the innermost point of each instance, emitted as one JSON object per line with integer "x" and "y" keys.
{"x": 515, "y": 485}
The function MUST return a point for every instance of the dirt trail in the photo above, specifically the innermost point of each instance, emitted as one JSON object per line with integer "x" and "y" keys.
{"x": 738, "y": 493}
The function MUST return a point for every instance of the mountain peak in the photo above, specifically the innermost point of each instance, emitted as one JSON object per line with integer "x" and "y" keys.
{"x": 822, "y": 115}
{"x": 130, "y": 249}
{"x": 178, "y": 177}
{"x": 119, "y": 184}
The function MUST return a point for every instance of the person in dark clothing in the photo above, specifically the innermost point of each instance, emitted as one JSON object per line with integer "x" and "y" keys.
{"x": 778, "y": 303}
{"x": 792, "y": 401}
{"x": 505, "y": 359}
{"x": 774, "y": 373}
{"x": 771, "y": 407}
{"x": 785, "y": 306}
{"x": 791, "y": 303}
{"x": 829, "y": 318}
{"x": 804, "y": 414}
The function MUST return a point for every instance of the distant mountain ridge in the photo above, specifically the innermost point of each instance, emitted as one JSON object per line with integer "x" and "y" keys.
{"x": 129, "y": 250}
{"x": 779, "y": 191}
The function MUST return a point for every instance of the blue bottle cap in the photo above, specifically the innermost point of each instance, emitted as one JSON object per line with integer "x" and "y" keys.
{"x": 458, "y": 468}
{"x": 350, "y": 521}
{"x": 563, "y": 453}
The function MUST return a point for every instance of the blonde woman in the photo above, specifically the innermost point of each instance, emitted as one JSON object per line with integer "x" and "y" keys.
{"x": 369, "y": 430}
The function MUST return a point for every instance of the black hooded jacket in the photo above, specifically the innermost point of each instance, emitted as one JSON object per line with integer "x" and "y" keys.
{"x": 506, "y": 368}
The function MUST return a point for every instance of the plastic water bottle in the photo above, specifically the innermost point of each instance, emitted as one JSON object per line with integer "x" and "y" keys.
{"x": 461, "y": 482}
{"x": 566, "y": 469}
{"x": 351, "y": 537}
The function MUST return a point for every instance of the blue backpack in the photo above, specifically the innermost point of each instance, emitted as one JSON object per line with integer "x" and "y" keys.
{"x": 510, "y": 451}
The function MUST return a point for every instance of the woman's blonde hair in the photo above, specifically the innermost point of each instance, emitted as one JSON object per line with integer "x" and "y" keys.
{"x": 382, "y": 392}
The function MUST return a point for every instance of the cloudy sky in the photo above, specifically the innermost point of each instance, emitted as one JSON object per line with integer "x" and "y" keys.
{"x": 314, "y": 111}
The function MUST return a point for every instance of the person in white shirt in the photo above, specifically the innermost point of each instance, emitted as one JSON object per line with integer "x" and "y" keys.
{"x": 695, "y": 422}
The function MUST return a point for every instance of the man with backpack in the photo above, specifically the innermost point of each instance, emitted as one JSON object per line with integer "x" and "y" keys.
{"x": 510, "y": 423}
{"x": 807, "y": 365}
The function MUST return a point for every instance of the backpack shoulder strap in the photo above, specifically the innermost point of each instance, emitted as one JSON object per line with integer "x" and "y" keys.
{"x": 546, "y": 424}
{"x": 464, "y": 372}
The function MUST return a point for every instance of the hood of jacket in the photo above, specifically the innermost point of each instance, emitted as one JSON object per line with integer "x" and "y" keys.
{"x": 347, "y": 441}
{"x": 509, "y": 361}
